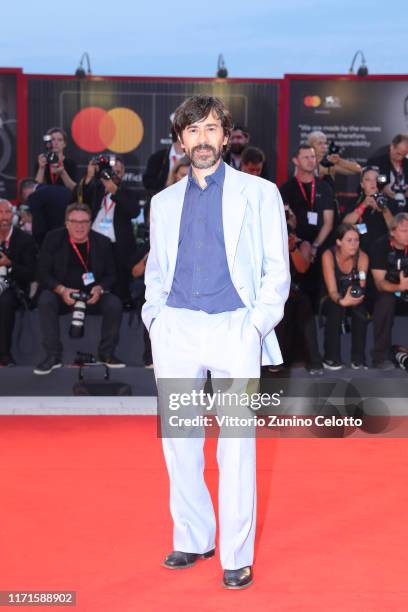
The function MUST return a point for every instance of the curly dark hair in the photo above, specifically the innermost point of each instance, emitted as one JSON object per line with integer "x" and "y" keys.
{"x": 197, "y": 108}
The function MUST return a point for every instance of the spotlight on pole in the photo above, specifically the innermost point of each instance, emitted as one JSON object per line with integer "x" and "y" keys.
{"x": 80, "y": 71}
{"x": 222, "y": 71}
{"x": 363, "y": 70}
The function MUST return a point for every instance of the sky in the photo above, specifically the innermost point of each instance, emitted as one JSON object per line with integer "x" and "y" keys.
{"x": 258, "y": 38}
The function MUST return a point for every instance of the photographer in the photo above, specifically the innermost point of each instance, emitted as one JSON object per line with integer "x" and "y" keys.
{"x": 394, "y": 164}
{"x": 329, "y": 161}
{"x": 371, "y": 214}
{"x": 17, "y": 269}
{"x": 76, "y": 259}
{"x": 53, "y": 168}
{"x": 298, "y": 320}
{"x": 389, "y": 267}
{"x": 113, "y": 207}
{"x": 345, "y": 272}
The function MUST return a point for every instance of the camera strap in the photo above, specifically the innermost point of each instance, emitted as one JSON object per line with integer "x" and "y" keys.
{"x": 54, "y": 177}
{"x": 310, "y": 202}
{"x": 78, "y": 253}
{"x": 108, "y": 203}
{"x": 6, "y": 243}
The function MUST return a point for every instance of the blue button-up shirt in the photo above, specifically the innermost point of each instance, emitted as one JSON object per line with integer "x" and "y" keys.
{"x": 202, "y": 280}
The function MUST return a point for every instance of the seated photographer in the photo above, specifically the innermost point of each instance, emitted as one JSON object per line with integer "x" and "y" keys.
{"x": 138, "y": 264}
{"x": 371, "y": 214}
{"x": 53, "y": 168}
{"x": 394, "y": 165}
{"x": 389, "y": 267}
{"x": 345, "y": 269}
{"x": 113, "y": 207}
{"x": 329, "y": 161}
{"x": 298, "y": 320}
{"x": 17, "y": 270}
{"x": 75, "y": 260}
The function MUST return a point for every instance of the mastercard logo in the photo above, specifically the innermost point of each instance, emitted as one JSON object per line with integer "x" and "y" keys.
{"x": 95, "y": 129}
{"x": 312, "y": 101}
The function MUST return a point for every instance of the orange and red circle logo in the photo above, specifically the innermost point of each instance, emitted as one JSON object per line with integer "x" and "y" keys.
{"x": 95, "y": 129}
{"x": 312, "y": 101}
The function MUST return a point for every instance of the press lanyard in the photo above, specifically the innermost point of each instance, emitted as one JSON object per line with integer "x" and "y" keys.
{"x": 108, "y": 208}
{"x": 312, "y": 195}
{"x": 6, "y": 242}
{"x": 392, "y": 245}
{"x": 54, "y": 177}
{"x": 81, "y": 259}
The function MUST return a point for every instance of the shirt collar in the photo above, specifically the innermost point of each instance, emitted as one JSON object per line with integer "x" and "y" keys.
{"x": 216, "y": 177}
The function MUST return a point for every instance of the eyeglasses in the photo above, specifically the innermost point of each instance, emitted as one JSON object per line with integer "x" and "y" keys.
{"x": 75, "y": 222}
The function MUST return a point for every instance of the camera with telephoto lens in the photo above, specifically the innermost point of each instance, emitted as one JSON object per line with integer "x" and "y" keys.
{"x": 52, "y": 156}
{"x": 379, "y": 197}
{"x": 396, "y": 265}
{"x": 352, "y": 280}
{"x": 4, "y": 280}
{"x": 77, "y": 327}
{"x": 105, "y": 165}
{"x": 400, "y": 356}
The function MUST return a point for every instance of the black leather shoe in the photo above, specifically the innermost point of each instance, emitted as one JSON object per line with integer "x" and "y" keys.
{"x": 6, "y": 361}
{"x": 181, "y": 560}
{"x": 238, "y": 579}
{"x": 111, "y": 361}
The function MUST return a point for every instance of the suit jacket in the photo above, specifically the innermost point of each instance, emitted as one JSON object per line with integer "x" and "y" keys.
{"x": 55, "y": 253}
{"x": 256, "y": 245}
{"x": 22, "y": 252}
{"x": 126, "y": 209}
{"x": 47, "y": 206}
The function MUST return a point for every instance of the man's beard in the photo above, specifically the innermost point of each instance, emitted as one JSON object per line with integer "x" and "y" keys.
{"x": 204, "y": 163}
{"x": 237, "y": 147}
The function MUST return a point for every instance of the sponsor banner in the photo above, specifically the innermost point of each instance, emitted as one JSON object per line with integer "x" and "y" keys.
{"x": 8, "y": 125}
{"x": 131, "y": 118}
{"x": 360, "y": 116}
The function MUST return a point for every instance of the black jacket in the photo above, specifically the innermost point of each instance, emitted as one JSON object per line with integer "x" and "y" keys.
{"x": 55, "y": 254}
{"x": 157, "y": 171}
{"x": 126, "y": 209}
{"x": 47, "y": 206}
{"x": 22, "y": 252}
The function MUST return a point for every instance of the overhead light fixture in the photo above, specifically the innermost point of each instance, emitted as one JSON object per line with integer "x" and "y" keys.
{"x": 363, "y": 70}
{"x": 222, "y": 71}
{"x": 80, "y": 71}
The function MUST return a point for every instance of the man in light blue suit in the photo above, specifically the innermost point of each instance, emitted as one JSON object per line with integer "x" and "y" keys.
{"x": 217, "y": 279}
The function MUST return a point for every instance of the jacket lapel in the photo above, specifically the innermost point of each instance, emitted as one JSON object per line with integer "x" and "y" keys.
{"x": 233, "y": 210}
{"x": 173, "y": 220}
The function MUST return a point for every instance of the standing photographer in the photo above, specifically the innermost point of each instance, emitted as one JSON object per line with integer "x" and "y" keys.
{"x": 389, "y": 267}
{"x": 329, "y": 161}
{"x": 76, "y": 259}
{"x": 371, "y": 214}
{"x": 53, "y": 168}
{"x": 113, "y": 207}
{"x": 17, "y": 269}
{"x": 345, "y": 272}
{"x": 393, "y": 163}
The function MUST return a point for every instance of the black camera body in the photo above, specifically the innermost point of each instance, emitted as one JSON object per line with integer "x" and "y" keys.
{"x": 351, "y": 280}
{"x": 77, "y": 327}
{"x": 52, "y": 157}
{"x": 333, "y": 149}
{"x": 379, "y": 197}
{"x": 105, "y": 165}
{"x": 4, "y": 280}
{"x": 396, "y": 265}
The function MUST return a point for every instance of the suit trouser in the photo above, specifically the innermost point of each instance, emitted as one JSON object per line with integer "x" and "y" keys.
{"x": 8, "y": 306}
{"x": 383, "y": 320}
{"x": 185, "y": 344}
{"x": 50, "y": 306}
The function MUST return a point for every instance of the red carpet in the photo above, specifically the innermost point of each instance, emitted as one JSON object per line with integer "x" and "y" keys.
{"x": 84, "y": 508}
